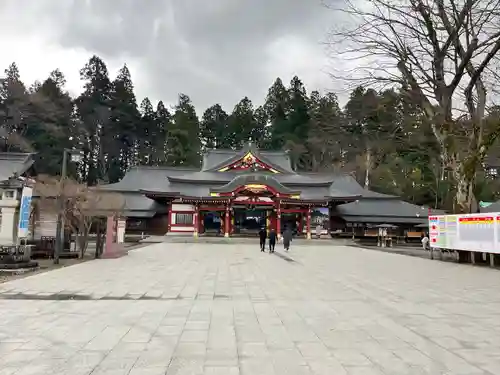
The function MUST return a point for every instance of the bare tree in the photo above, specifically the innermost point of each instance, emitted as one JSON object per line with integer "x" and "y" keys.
{"x": 82, "y": 205}
{"x": 447, "y": 53}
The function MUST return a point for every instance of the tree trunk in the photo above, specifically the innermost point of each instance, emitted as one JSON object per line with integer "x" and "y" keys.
{"x": 368, "y": 166}
{"x": 99, "y": 239}
{"x": 83, "y": 241}
{"x": 464, "y": 185}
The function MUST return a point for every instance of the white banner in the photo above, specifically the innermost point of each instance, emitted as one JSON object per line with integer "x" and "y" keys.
{"x": 23, "y": 226}
{"x": 470, "y": 232}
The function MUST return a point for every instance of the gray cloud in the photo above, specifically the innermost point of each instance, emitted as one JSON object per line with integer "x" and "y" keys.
{"x": 212, "y": 50}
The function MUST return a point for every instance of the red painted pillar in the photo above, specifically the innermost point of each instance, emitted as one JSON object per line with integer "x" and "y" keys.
{"x": 112, "y": 248}
{"x": 201, "y": 222}
{"x": 308, "y": 224}
{"x": 169, "y": 219}
{"x": 227, "y": 221}
{"x": 196, "y": 220}
{"x": 278, "y": 220}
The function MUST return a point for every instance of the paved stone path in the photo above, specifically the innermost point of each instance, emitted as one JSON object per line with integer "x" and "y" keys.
{"x": 228, "y": 310}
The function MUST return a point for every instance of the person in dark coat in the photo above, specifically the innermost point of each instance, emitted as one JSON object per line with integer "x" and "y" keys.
{"x": 287, "y": 238}
{"x": 272, "y": 240}
{"x": 262, "y": 237}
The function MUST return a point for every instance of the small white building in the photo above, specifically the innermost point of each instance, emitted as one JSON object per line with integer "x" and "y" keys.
{"x": 14, "y": 169}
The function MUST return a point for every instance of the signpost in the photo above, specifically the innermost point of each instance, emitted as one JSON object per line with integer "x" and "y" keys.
{"x": 25, "y": 213}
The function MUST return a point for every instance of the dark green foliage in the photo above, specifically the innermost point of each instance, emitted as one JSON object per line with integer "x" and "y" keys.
{"x": 123, "y": 133}
{"x": 163, "y": 122}
{"x": 242, "y": 124}
{"x": 183, "y": 143}
{"x": 93, "y": 111}
{"x": 381, "y": 137}
{"x": 214, "y": 129}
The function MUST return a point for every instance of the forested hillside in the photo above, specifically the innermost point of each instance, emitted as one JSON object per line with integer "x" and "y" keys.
{"x": 380, "y": 137}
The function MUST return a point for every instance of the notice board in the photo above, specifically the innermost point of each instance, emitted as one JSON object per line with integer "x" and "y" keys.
{"x": 470, "y": 232}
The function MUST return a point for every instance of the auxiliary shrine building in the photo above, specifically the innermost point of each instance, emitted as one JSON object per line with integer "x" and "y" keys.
{"x": 239, "y": 192}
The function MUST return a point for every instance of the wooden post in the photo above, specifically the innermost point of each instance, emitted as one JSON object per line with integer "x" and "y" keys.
{"x": 169, "y": 218}
{"x": 227, "y": 221}
{"x": 112, "y": 249}
{"x": 278, "y": 220}
{"x": 196, "y": 220}
{"x": 308, "y": 224}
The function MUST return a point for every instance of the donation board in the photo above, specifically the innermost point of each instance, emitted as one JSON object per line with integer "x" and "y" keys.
{"x": 470, "y": 232}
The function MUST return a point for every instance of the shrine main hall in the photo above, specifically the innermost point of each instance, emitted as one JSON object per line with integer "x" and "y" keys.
{"x": 236, "y": 193}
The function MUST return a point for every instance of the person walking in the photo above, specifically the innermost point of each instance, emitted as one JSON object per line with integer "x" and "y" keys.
{"x": 287, "y": 238}
{"x": 272, "y": 240}
{"x": 262, "y": 237}
{"x": 319, "y": 229}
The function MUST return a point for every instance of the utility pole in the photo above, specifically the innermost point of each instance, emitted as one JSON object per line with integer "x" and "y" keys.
{"x": 60, "y": 206}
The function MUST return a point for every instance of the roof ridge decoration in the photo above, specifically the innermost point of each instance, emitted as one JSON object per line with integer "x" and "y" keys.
{"x": 248, "y": 159}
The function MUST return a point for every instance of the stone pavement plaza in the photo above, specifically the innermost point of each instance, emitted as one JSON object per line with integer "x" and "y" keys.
{"x": 229, "y": 309}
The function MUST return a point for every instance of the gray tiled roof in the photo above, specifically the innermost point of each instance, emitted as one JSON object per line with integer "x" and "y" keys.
{"x": 385, "y": 210}
{"x": 148, "y": 178}
{"x": 349, "y": 183}
{"x": 14, "y": 164}
{"x": 225, "y": 177}
{"x": 137, "y": 205}
{"x": 214, "y": 159}
{"x": 195, "y": 183}
{"x": 253, "y": 178}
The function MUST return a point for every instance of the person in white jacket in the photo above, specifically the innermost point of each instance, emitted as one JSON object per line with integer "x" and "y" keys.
{"x": 425, "y": 242}
{"x": 319, "y": 229}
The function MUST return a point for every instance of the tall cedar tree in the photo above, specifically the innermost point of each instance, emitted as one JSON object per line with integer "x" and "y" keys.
{"x": 124, "y": 128}
{"x": 276, "y": 107}
{"x": 326, "y": 142}
{"x": 183, "y": 143}
{"x": 163, "y": 122}
{"x": 49, "y": 129}
{"x": 147, "y": 133}
{"x": 214, "y": 128}
{"x": 93, "y": 114}
{"x": 14, "y": 103}
{"x": 298, "y": 123}
{"x": 242, "y": 123}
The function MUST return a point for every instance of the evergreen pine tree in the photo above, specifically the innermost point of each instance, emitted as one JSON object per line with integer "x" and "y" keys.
{"x": 298, "y": 123}
{"x": 49, "y": 128}
{"x": 183, "y": 144}
{"x": 276, "y": 107}
{"x": 147, "y": 135}
{"x": 14, "y": 103}
{"x": 93, "y": 114}
{"x": 326, "y": 140}
{"x": 214, "y": 131}
{"x": 163, "y": 121}
{"x": 124, "y": 129}
{"x": 242, "y": 123}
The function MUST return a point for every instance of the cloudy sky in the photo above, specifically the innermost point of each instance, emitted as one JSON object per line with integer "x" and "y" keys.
{"x": 216, "y": 51}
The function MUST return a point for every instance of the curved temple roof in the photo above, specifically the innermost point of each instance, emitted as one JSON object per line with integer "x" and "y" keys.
{"x": 14, "y": 164}
{"x": 215, "y": 160}
{"x": 209, "y": 183}
{"x": 248, "y": 179}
